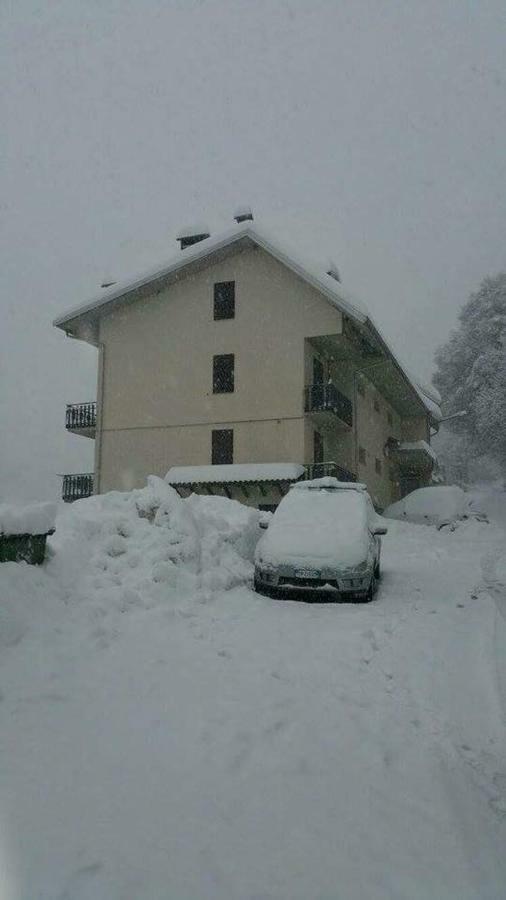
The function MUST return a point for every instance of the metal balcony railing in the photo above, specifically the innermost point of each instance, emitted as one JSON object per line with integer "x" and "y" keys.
{"x": 77, "y": 487}
{"x": 324, "y": 469}
{"x": 80, "y": 415}
{"x": 327, "y": 398}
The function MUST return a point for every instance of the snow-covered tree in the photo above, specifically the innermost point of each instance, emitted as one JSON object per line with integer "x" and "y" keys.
{"x": 471, "y": 370}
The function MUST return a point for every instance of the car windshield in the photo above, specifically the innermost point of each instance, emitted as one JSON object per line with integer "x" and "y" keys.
{"x": 318, "y": 524}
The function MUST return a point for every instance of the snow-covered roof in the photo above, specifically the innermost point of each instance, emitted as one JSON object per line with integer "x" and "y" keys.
{"x": 242, "y": 235}
{"x": 235, "y": 472}
{"x": 245, "y": 232}
{"x": 329, "y": 483}
{"x": 430, "y": 397}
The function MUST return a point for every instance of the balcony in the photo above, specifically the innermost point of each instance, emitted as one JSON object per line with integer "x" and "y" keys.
{"x": 413, "y": 456}
{"x": 77, "y": 487}
{"x": 332, "y": 469}
{"x": 325, "y": 402}
{"x": 81, "y": 418}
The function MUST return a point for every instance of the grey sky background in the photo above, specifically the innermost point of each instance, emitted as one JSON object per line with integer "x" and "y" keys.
{"x": 372, "y": 132}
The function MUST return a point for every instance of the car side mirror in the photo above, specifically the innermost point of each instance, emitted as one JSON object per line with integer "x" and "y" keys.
{"x": 380, "y": 529}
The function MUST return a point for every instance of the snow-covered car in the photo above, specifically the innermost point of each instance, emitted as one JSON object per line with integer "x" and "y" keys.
{"x": 439, "y": 505}
{"x": 324, "y": 536}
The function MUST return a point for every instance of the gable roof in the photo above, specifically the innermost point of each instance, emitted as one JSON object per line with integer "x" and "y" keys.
{"x": 234, "y": 238}
{"x": 79, "y": 321}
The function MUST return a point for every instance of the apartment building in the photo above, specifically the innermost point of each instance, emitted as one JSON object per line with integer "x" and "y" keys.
{"x": 238, "y": 368}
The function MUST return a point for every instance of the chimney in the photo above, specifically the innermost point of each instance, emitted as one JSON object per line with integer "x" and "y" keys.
{"x": 189, "y": 236}
{"x": 333, "y": 271}
{"x": 243, "y": 214}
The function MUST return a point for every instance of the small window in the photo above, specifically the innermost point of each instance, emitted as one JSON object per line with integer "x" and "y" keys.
{"x": 361, "y": 388}
{"x": 377, "y": 466}
{"x": 318, "y": 371}
{"x": 390, "y": 418}
{"x": 223, "y": 374}
{"x": 362, "y": 456}
{"x": 376, "y": 405}
{"x": 224, "y": 300}
{"x": 222, "y": 451}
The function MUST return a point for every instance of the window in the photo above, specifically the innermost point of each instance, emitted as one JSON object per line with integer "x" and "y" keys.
{"x": 222, "y": 450}
{"x": 224, "y": 300}
{"x": 318, "y": 373}
{"x": 223, "y": 374}
{"x": 377, "y": 466}
{"x": 376, "y": 405}
{"x": 362, "y": 456}
{"x": 390, "y": 418}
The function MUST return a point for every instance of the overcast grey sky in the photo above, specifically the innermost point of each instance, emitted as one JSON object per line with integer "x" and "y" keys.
{"x": 372, "y": 131}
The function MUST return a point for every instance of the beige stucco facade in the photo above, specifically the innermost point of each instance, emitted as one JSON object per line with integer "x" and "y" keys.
{"x": 155, "y": 400}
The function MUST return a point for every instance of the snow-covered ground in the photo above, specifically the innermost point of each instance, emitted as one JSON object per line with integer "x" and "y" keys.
{"x": 167, "y": 733}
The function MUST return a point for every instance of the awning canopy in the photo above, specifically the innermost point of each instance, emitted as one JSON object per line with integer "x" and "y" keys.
{"x": 236, "y": 473}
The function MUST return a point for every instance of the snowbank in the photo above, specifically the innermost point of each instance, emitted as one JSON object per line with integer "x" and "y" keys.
{"x": 135, "y": 548}
{"x": 34, "y": 518}
{"x": 437, "y": 505}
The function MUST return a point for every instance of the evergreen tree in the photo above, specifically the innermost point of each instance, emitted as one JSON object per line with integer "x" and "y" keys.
{"x": 471, "y": 370}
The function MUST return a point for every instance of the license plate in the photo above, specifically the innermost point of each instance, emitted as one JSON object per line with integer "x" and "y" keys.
{"x": 307, "y": 573}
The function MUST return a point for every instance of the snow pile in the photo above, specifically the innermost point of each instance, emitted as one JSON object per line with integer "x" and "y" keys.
{"x": 134, "y": 548}
{"x": 34, "y": 518}
{"x": 438, "y": 505}
{"x": 228, "y": 532}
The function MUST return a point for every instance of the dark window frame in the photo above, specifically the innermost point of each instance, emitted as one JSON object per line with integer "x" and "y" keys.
{"x": 224, "y": 300}
{"x": 224, "y": 373}
{"x": 222, "y": 446}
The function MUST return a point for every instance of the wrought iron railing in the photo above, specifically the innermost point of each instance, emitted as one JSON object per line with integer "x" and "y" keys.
{"x": 80, "y": 415}
{"x": 324, "y": 469}
{"x": 77, "y": 487}
{"x": 327, "y": 398}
